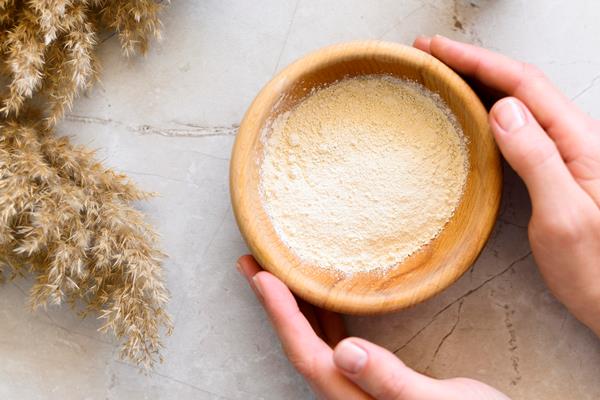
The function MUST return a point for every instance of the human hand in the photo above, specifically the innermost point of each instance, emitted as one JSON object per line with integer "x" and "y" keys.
{"x": 555, "y": 148}
{"x": 356, "y": 368}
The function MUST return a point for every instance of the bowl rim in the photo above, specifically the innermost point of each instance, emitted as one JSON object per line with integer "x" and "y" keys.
{"x": 334, "y": 54}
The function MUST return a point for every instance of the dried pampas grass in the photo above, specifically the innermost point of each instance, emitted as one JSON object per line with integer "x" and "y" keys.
{"x": 63, "y": 216}
{"x": 48, "y": 46}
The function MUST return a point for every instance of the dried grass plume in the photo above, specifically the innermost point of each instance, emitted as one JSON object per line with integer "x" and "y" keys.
{"x": 63, "y": 216}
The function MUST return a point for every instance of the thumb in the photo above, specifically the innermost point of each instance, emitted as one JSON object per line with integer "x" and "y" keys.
{"x": 533, "y": 155}
{"x": 382, "y": 375}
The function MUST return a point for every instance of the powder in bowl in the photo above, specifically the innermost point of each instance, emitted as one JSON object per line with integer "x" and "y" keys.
{"x": 362, "y": 173}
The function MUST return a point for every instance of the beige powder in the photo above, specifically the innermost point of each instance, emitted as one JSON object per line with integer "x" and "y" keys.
{"x": 363, "y": 173}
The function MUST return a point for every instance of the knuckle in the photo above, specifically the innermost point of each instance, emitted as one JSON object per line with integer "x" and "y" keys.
{"x": 530, "y": 75}
{"x": 475, "y": 388}
{"x": 566, "y": 230}
{"x": 533, "y": 71}
{"x": 536, "y": 154}
{"x": 304, "y": 365}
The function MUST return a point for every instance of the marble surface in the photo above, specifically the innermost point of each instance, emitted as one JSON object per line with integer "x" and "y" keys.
{"x": 169, "y": 119}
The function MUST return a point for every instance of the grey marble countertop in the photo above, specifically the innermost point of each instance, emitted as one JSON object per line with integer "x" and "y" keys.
{"x": 169, "y": 120}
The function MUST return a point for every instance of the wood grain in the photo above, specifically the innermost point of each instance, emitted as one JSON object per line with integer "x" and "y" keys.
{"x": 423, "y": 274}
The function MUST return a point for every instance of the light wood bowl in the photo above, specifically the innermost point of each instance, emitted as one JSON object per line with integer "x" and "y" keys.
{"x": 423, "y": 274}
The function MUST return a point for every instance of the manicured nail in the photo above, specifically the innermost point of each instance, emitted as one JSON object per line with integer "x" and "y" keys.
{"x": 349, "y": 357}
{"x": 509, "y": 115}
{"x": 257, "y": 285}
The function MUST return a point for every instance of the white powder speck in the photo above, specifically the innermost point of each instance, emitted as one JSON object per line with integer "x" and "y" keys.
{"x": 363, "y": 173}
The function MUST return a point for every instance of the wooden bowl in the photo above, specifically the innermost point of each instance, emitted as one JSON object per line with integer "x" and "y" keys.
{"x": 423, "y": 274}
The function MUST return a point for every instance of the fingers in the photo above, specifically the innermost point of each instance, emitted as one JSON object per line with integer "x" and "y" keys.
{"x": 292, "y": 327}
{"x": 565, "y": 123}
{"x": 326, "y": 324}
{"x": 356, "y": 363}
{"x": 381, "y": 374}
{"x": 305, "y": 350}
{"x": 422, "y": 43}
{"x": 385, "y": 377}
{"x": 534, "y": 156}
{"x": 249, "y": 267}
{"x": 574, "y": 133}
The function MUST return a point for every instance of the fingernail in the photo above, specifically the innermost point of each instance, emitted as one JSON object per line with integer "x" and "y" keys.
{"x": 509, "y": 115}
{"x": 257, "y": 285}
{"x": 239, "y": 268}
{"x": 349, "y": 357}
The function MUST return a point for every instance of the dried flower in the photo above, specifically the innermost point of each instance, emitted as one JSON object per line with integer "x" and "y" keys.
{"x": 48, "y": 46}
{"x": 63, "y": 216}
